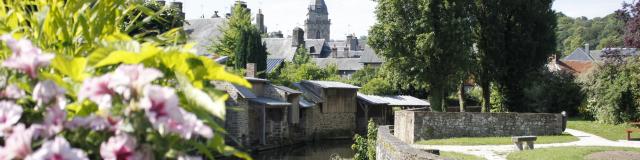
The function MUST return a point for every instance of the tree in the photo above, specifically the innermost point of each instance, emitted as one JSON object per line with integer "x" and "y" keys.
{"x": 301, "y": 56}
{"x": 515, "y": 38}
{"x": 242, "y": 42}
{"x": 630, "y": 14}
{"x": 424, "y": 41}
{"x": 249, "y": 48}
{"x": 239, "y": 21}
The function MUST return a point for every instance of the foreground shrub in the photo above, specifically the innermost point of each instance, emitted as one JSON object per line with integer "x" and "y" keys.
{"x": 612, "y": 91}
{"x": 76, "y": 87}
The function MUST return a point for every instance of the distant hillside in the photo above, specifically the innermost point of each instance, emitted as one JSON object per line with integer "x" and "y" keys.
{"x": 598, "y": 32}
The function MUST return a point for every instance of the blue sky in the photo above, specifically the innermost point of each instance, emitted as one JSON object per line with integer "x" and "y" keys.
{"x": 356, "y": 16}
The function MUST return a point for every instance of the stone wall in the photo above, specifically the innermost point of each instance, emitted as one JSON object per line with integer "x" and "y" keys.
{"x": 388, "y": 147}
{"x": 320, "y": 125}
{"x": 412, "y": 126}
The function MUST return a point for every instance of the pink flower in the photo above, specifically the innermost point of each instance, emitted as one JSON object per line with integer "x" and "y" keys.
{"x": 94, "y": 122}
{"x": 26, "y": 57}
{"x": 131, "y": 79}
{"x": 57, "y": 149}
{"x": 47, "y": 92}
{"x": 10, "y": 113}
{"x": 98, "y": 91}
{"x": 13, "y": 92}
{"x": 54, "y": 120}
{"x": 162, "y": 110}
{"x": 18, "y": 143}
{"x": 119, "y": 147}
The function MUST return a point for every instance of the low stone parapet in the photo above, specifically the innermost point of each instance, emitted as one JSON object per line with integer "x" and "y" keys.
{"x": 388, "y": 147}
{"x": 411, "y": 126}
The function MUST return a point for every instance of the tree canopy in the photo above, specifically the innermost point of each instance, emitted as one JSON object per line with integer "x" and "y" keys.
{"x": 424, "y": 41}
{"x": 242, "y": 42}
{"x": 515, "y": 38}
{"x": 598, "y": 32}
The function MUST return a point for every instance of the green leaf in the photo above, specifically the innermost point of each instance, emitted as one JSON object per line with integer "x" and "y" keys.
{"x": 129, "y": 57}
{"x": 84, "y": 109}
{"x": 73, "y": 68}
{"x": 202, "y": 99}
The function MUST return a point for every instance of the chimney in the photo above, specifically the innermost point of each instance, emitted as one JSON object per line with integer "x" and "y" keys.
{"x": 586, "y": 48}
{"x": 334, "y": 52}
{"x": 298, "y": 37}
{"x": 251, "y": 70}
{"x": 260, "y": 21}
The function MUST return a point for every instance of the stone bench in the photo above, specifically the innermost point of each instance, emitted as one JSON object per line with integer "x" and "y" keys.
{"x": 519, "y": 140}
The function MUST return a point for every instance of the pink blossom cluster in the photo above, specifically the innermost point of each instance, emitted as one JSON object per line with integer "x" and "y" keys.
{"x": 129, "y": 85}
{"x": 161, "y": 105}
{"x": 26, "y": 57}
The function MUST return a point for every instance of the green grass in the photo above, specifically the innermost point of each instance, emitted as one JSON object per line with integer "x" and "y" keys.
{"x": 459, "y": 156}
{"x": 608, "y": 131}
{"x": 564, "y": 153}
{"x": 496, "y": 140}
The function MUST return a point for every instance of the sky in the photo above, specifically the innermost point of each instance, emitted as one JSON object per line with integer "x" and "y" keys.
{"x": 356, "y": 16}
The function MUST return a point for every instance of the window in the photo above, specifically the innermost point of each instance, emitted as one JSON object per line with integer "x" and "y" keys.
{"x": 312, "y": 49}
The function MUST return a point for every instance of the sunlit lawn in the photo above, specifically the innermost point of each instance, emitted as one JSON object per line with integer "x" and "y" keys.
{"x": 608, "y": 131}
{"x": 564, "y": 153}
{"x": 496, "y": 140}
{"x": 459, "y": 156}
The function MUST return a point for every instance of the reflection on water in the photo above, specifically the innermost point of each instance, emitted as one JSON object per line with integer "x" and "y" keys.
{"x": 311, "y": 151}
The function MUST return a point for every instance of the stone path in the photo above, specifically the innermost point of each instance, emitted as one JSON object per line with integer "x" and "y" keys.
{"x": 500, "y": 152}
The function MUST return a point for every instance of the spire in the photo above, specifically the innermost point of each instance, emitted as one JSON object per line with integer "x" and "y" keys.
{"x": 319, "y": 6}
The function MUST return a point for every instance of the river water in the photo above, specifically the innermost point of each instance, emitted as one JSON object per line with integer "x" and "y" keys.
{"x": 322, "y": 150}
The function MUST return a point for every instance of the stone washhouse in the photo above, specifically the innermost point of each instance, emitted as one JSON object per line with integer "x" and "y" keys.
{"x": 268, "y": 115}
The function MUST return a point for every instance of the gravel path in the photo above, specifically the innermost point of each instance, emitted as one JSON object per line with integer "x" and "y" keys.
{"x": 500, "y": 152}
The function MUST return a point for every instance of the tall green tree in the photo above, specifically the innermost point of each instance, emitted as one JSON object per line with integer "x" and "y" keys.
{"x": 515, "y": 38}
{"x": 242, "y": 42}
{"x": 424, "y": 41}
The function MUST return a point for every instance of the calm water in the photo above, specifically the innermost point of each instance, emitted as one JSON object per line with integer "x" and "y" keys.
{"x": 310, "y": 151}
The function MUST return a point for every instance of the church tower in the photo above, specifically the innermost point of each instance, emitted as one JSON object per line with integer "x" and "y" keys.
{"x": 318, "y": 24}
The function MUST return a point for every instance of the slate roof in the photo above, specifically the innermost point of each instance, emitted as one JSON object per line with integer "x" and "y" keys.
{"x": 580, "y": 54}
{"x": 204, "y": 32}
{"x": 308, "y": 92}
{"x": 287, "y": 89}
{"x": 343, "y": 64}
{"x": 369, "y": 56}
{"x": 371, "y": 99}
{"x": 330, "y": 84}
{"x": 253, "y": 79}
{"x": 281, "y": 48}
{"x": 304, "y": 103}
{"x": 244, "y": 92}
{"x": 401, "y": 100}
{"x": 272, "y": 64}
{"x": 269, "y": 101}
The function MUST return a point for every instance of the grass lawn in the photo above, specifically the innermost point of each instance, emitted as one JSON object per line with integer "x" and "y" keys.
{"x": 608, "y": 131}
{"x": 564, "y": 153}
{"x": 496, "y": 140}
{"x": 459, "y": 156}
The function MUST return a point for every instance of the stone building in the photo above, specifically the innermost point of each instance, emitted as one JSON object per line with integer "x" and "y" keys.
{"x": 318, "y": 24}
{"x": 582, "y": 60}
{"x": 380, "y": 108}
{"x": 260, "y": 116}
{"x": 329, "y": 109}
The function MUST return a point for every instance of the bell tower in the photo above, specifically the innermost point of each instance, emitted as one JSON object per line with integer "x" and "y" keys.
{"x": 318, "y": 24}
